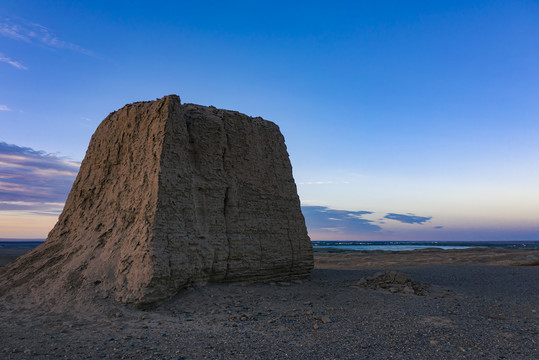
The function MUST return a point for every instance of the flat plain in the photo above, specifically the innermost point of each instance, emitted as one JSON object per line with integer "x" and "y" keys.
{"x": 474, "y": 304}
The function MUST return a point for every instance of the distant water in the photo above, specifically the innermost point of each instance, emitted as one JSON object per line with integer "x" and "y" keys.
{"x": 408, "y": 245}
{"x": 7, "y": 244}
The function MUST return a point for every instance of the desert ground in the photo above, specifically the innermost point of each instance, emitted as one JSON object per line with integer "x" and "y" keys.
{"x": 422, "y": 304}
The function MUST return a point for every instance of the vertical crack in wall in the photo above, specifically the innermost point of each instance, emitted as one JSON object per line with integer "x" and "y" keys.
{"x": 173, "y": 114}
{"x": 226, "y": 202}
{"x": 229, "y": 248}
{"x": 292, "y": 258}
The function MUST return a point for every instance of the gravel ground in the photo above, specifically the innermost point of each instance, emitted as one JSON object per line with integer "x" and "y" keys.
{"x": 467, "y": 312}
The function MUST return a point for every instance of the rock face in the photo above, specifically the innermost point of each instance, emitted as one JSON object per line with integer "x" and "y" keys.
{"x": 170, "y": 195}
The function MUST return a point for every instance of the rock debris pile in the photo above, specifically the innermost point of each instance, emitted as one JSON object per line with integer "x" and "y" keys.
{"x": 393, "y": 282}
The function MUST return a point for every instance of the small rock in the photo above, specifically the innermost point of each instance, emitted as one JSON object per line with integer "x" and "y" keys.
{"x": 408, "y": 290}
{"x": 325, "y": 319}
{"x": 400, "y": 278}
{"x": 389, "y": 276}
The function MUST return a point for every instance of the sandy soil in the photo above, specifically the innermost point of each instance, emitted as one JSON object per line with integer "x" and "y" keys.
{"x": 475, "y": 306}
{"x": 350, "y": 260}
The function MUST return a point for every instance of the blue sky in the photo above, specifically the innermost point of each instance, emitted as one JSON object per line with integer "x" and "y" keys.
{"x": 413, "y": 120}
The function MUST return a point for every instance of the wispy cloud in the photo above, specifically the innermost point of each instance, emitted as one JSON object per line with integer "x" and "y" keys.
{"x": 11, "y": 62}
{"x": 407, "y": 218}
{"x": 12, "y": 31}
{"x": 32, "y": 208}
{"x": 4, "y": 108}
{"x": 32, "y": 33}
{"x": 323, "y": 219}
{"x": 28, "y": 176}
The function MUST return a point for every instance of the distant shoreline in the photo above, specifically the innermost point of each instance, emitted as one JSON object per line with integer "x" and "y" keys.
{"x": 409, "y": 242}
{"x": 417, "y": 245}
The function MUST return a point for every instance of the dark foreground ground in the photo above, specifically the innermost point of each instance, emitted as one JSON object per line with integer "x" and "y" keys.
{"x": 10, "y": 253}
{"x": 467, "y": 312}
